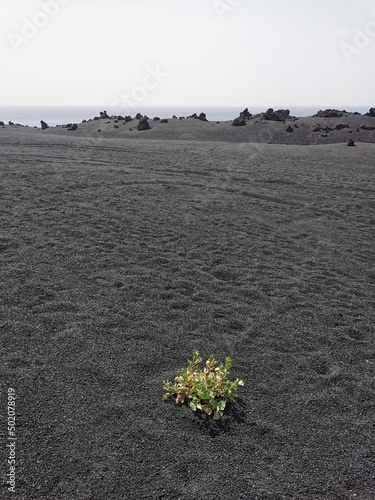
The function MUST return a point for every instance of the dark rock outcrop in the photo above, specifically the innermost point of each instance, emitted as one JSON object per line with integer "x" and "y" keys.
{"x": 319, "y": 128}
{"x": 164, "y": 120}
{"x": 156, "y": 118}
{"x": 128, "y": 119}
{"x": 365, "y": 127}
{"x": 329, "y": 113}
{"x": 351, "y": 142}
{"x": 74, "y": 126}
{"x": 289, "y": 129}
{"x": 104, "y": 115}
{"x": 371, "y": 112}
{"x": 278, "y": 116}
{"x": 340, "y": 126}
{"x": 138, "y": 116}
{"x": 239, "y": 122}
{"x": 43, "y": 125}
{"x": 245, "y": 114}
{"x": 202, "y": 117}
{"x": 143, "y": 124}
{"x": 2, "y": 124}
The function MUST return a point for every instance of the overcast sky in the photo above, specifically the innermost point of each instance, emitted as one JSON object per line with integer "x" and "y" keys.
{"x": 188, "y": 52}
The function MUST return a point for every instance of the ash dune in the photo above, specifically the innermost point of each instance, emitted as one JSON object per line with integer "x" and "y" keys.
{"x": 121, "y": 255}
{"x": 326, "y": 127}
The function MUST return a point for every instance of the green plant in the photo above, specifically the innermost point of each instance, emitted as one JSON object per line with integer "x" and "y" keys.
{"x": 207, "y": 390}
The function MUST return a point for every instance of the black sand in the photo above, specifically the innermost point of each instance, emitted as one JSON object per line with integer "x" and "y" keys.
{"x": 121, "y": 257}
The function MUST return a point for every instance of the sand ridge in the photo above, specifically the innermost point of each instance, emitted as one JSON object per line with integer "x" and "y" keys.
{"x": 298, "y": 131}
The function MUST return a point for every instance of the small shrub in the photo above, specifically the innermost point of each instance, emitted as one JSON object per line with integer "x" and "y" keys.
{"x": 207, "y": 390}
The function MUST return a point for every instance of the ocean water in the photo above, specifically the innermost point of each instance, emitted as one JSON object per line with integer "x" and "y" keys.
{"x": 60, "y": 115}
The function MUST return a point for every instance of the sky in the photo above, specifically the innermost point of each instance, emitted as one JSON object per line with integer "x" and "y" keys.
{"x": 188, "y": 52}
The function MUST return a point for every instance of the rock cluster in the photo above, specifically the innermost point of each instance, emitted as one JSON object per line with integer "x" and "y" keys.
{"x": 245, "y": 114}
{"x": 371, "y": 112}
{"x": 340, "y": 126}
{"x": 329, "y": 113}
{"x": 278, "y": 116}
{"x": 201, "y": 116}
{"x": 319, "y": 128}
{"x": 143, "y": 124}
{"x": 239, "y": 122}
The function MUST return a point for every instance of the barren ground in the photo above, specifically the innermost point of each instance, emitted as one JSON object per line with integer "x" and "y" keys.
{"x": 119, "y": 257}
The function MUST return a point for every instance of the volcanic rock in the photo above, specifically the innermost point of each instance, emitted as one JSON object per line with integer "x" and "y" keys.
{"x": 143, "y": 124}
{"x": 245, "y": 114}
{"x": 202, "y": 117}
{"x": 278, "y": 116}
{"x": 340, "y": 126}
{"x": 239, "y": 122}
{"x": 329, "y": 113}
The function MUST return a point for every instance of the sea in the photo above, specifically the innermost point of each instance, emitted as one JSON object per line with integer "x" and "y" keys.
{"x": 60, "y": 115}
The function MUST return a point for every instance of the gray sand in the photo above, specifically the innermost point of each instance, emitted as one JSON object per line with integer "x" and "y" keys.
{"x": 120, "y": 256}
